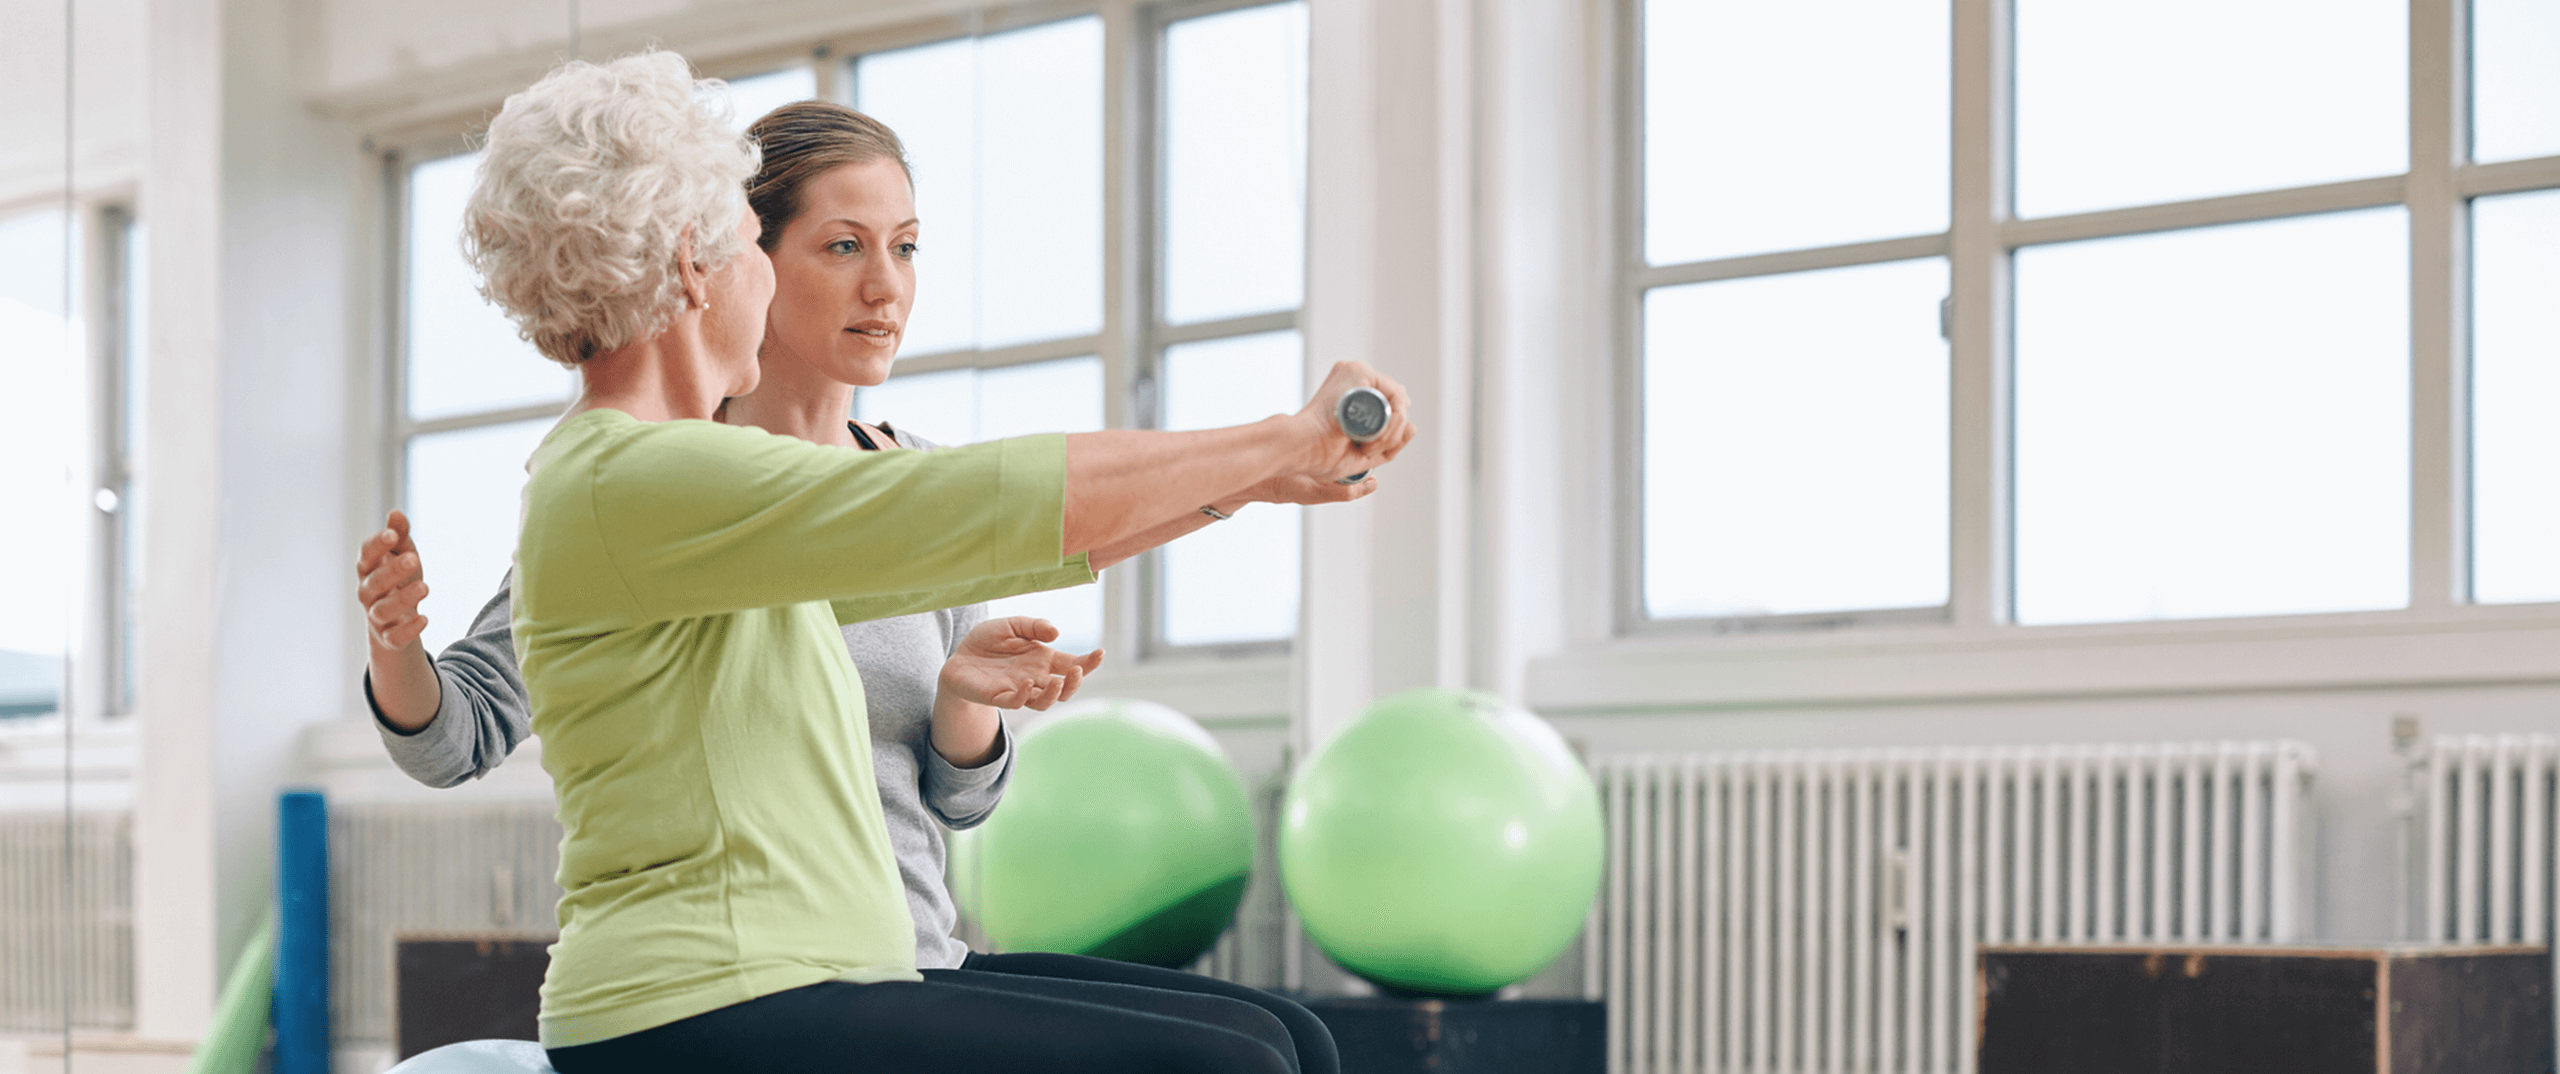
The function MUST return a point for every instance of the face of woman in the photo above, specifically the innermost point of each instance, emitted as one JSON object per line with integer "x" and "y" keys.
{"x": 735, "y": 322}
{"x": 845, "y": 274}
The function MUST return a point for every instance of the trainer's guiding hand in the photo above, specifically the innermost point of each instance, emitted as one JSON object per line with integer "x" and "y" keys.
{"x": 1008, "y": 664}
{"x": 1339, "y": 455}
{"x": 390, "y": 582}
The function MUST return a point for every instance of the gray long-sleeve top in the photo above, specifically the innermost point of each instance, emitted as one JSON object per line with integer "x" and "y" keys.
{"x": 484, "y": 714}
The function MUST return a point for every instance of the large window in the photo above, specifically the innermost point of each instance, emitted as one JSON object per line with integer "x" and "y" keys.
{"x": 2161, "y": 306}
{"x": 472, "y": 399}
{"x": 1232, "y": 165}
{"x": 1044, "y": 306}
{"x": 69, "y": 554}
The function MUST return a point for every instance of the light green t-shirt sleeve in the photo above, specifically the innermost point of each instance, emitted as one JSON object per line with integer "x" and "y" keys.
{"x": 700, "y": 519}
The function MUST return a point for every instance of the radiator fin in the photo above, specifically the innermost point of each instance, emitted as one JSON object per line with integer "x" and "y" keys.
{"x": 2487, "y": 820}
{"x": 66, "y": 921}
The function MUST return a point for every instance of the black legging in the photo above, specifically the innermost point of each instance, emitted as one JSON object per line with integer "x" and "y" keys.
{"x": 960, "y": 1021}
{"x": 1313, "y": 1043}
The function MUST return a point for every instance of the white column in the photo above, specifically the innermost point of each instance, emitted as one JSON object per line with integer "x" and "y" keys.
{"x": 1543, "y": 354}
{"x": 1390, "y": 282}
{"x": 180, "y": 468}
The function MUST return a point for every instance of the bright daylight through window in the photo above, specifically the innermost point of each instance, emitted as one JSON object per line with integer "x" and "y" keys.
{"x": 2198, "y": 373}
{"x": 41, "y": 480}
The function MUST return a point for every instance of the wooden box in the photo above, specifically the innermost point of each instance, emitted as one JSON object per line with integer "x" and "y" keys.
{"x": 447, "y": 989}
{"x": 1381, "y": 1035}
{"x": 2212, "y": 1009}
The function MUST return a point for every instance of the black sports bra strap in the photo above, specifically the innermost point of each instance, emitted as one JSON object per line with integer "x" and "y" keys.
{"x": 861, "y": 437}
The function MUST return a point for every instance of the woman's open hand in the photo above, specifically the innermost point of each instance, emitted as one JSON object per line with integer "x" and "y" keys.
{"x": 390, "y": 581}
{"x": 1008, "y": 664}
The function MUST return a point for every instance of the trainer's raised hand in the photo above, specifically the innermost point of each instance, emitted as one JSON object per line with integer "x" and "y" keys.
{"x": 390, "y": 581}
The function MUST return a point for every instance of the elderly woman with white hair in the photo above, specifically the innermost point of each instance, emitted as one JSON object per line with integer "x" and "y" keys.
{"x": 730, "y": 897}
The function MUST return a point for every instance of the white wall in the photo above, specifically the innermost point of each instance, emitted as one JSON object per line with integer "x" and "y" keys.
{"x": 262, "y": 225}
{"x": 107, "y": 89}
{"x": 299, "y": 260}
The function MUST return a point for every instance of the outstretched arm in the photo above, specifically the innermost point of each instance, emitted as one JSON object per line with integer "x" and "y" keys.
{"x": 1121, "y": 486}
{"x": 1293, "y": 489}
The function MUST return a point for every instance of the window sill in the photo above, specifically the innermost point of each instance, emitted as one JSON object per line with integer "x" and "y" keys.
{"x": 1940, "y": 663}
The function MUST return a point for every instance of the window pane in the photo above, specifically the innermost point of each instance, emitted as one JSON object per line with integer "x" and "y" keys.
{"x": 464, "y": 355}
{"x": 2214, "y": 422}
{"x": 465, "y": 504}
{"x": 1795, "y": 443}
{"x": 2515, "y": 392}
{"x": 1235, "y": 209}
{"x": 965, "y": 406}
{"x": 42, "y": 462}
{"x": 941, "y": 407}
{"x": 2137, "y": 104}
{"x": 1233, "y": 581}
{"x": 753, "y": 96}
{"x": 2515, "y": 79}
{"x": 929, "y": 96}
{"x": 1774, "y": 126}
{"x": 1005, "y": 134}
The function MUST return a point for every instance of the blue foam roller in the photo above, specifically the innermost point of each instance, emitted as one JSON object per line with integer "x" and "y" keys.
{"x": 302, "y": 934}
{"x": 479, "y": 1057}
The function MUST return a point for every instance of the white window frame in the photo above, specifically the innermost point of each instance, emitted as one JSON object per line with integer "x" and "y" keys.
{"x": 1972, "y": 647}
{"x": 115, "y": 365}
{"x": 1156, "y": 336}
{"x": 100, "y": 686}
{"x": 399, "y": 430}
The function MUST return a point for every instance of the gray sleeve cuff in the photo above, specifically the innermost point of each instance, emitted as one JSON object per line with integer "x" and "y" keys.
{"x": 439, "y": 754}
{"x": 481, "y": 709}
{"x": 963, "y": 797}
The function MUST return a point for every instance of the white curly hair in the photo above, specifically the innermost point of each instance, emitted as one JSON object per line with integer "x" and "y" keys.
{"x": 590, "y": 182}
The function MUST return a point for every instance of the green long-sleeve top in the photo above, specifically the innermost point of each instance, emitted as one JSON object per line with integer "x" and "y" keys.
{"x": 699, "y": 718}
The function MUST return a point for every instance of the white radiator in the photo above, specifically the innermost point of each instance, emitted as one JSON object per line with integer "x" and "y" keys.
{"x": 422, "y": 868}
{"x": 2486, "y": 849}
{"x": 1816, "y": 910}
{"x": 66, "y": 922}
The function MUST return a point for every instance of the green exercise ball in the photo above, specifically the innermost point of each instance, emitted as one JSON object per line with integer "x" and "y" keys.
{"x": 1124, "y": 834}
{"x": 1442, "y": 844}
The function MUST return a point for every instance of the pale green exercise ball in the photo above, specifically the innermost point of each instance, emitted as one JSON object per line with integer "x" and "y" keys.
{"x": 1443, "y": 843}
{"x": 1124, "y": 834}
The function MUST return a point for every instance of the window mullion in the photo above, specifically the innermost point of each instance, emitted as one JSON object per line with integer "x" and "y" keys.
{"x": 1978, "y": 324}
{"x": 2439, "y": 542}
{"x": 1130, "y": 132}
